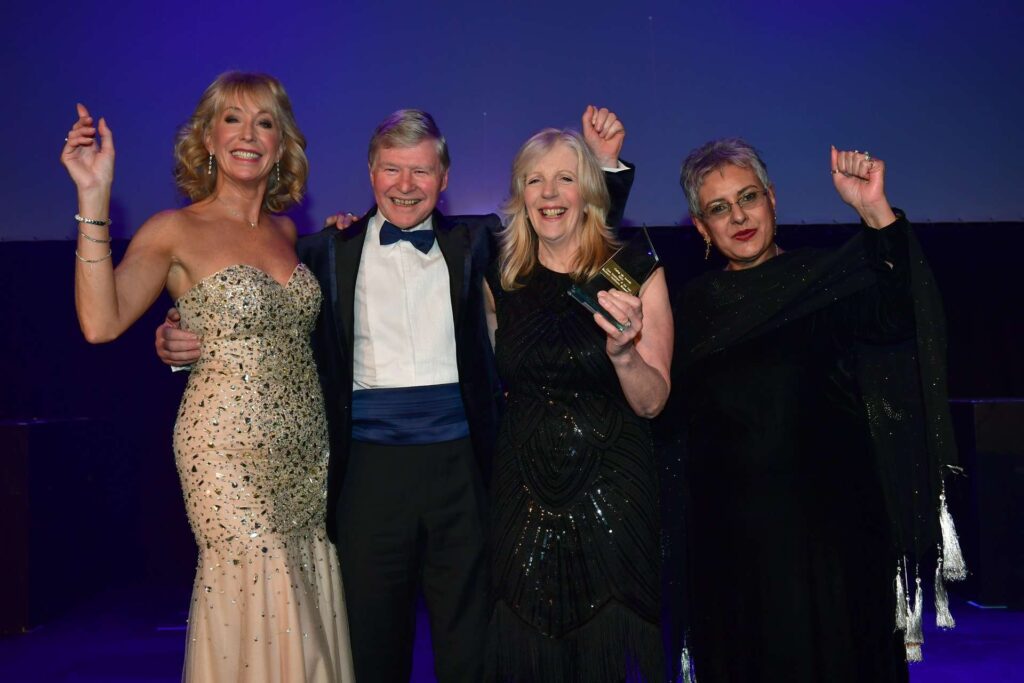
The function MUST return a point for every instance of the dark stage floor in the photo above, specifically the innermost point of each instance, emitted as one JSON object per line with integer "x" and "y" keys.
{"x": 138, "y": 634}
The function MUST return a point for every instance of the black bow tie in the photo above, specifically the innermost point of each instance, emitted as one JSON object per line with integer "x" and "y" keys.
{"x": 421, "y": 239}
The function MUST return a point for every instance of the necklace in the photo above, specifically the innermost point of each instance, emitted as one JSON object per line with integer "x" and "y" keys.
{"x": 252, "y": 224}
{"x": 239, "y": 215}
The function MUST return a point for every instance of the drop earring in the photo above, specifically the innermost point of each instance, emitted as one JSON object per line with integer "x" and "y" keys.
{"x": 277, "y": 172}
{"x": 707, "y": 247}
{"x": 209, "y": 165}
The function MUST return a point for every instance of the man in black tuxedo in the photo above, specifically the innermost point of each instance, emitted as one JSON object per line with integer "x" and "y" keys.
{"x": 413, "y": 399}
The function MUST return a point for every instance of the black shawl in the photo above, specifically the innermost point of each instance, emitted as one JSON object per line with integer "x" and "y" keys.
{"x": 902, "y": 384}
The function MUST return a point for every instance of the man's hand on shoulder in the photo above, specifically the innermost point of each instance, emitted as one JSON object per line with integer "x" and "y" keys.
{"x": 175, "y": 346}
{"x": 340, "y": 221}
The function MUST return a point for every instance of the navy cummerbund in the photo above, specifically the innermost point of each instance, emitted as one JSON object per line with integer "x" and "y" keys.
{"x": 409, "y": 415}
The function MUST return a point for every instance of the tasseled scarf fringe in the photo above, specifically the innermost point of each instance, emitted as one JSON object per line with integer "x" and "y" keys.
{"x": 953, "y": 566}
{"x": 902, "y": 608}
{"x": 686, "y": 667}
{"x": 908, "y": 619}
{"x": 943, "y": 617}
{"x": 950, "y": 567}
{"x": 914, "y": 636}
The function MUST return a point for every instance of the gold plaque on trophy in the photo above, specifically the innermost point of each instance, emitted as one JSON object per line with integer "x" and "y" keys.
{"x": 626, "y": 270}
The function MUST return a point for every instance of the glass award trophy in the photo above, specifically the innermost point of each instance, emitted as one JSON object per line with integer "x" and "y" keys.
{"x": 627, "y": 269}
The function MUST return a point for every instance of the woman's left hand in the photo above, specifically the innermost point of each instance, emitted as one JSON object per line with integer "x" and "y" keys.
{"x": 860, "y": 180}
{"x": 604, "y": 135}
{"x": 628, "y": 310}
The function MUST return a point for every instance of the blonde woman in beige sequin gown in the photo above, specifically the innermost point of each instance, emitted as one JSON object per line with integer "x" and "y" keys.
{"x": 250, "y": 441}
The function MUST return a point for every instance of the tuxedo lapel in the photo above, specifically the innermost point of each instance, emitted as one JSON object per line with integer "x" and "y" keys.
{"x": 453, "y": 240}
{"x": 348, "y": 249}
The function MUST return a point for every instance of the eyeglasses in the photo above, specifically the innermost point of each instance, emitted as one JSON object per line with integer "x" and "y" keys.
{"x": 749, "y": 200}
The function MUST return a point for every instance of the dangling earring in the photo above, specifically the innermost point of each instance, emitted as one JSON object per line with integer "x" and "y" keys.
{"x": 209, "y": 165}
{"x": 707, "y": 247}
{"x": 277, "y": 172}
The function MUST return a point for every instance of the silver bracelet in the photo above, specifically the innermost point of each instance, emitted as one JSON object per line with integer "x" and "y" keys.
{"x": 91, "y": 238}
{"x": 110, "y": 252}
{"x": 92, "y": 221}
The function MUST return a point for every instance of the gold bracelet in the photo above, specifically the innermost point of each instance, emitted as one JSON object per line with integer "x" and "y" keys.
{"x": 91, "y": 238}
{"x": 94, "y": 260}
{"x": 92, "y": 221}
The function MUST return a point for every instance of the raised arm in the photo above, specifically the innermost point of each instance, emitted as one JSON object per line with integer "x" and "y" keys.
{"x": 885, "y": 312}
{"x": 108, "y": 300}
{"x": 860, "y": 181}
{"x": 604, "y": 135}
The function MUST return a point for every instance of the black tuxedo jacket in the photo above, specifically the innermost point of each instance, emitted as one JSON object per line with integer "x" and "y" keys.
{"x": 469, "y": 247}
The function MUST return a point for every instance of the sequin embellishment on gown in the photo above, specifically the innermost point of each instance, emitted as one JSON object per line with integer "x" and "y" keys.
{"x": 250, "y": 445}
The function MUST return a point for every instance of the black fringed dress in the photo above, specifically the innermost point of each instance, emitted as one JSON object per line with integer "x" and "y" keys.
{"x": 575, "y": 502}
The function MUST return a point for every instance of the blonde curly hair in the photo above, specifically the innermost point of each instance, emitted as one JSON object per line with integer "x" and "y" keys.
{"x": 191, "y": 157}
{"x": 518, "y": 257}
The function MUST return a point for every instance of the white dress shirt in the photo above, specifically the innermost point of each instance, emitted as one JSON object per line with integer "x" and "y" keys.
{"x": 404, "y": 330}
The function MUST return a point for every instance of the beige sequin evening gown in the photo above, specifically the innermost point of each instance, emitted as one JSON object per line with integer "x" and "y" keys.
{"x": 251, "y": 449}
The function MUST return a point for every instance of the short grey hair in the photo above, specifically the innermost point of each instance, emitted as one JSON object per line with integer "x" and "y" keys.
{"x": 712, "y": 155}
{"x": 408, "y": 128}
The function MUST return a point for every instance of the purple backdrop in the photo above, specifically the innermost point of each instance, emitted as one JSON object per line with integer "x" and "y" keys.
{"x": 936, "y": 92}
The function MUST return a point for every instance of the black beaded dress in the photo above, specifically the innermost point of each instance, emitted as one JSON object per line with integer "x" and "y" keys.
{"x": 575, "y": 501}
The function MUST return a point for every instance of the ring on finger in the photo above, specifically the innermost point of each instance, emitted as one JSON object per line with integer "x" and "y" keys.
{"x": 867, "y": 156}
{"x": 628, "y": 324}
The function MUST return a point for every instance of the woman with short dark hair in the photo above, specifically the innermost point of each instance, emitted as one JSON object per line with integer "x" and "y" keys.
{"x": 816, "y": 432}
